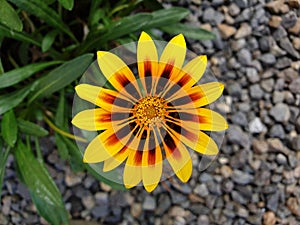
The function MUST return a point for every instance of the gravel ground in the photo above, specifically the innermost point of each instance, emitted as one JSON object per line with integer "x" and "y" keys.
{"x": 255, "y": 179}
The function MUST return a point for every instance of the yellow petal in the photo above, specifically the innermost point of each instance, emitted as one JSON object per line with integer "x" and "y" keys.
{"x": 132, "y": 174}
{"x": 174, "y": 52}
{"x": 88, "y": 92}
{"x": 195, "y": 69}
{"x": 211, "y": 121}
{"x": 116, "y": 160}
{"x": 197, "y": 96}
{"x": 152, "y": 166}
{"x": 178, "y": 156}
{"x": 92, "y": 119}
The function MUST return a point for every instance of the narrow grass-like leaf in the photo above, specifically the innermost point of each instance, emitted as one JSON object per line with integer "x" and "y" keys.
{"x": 61, "y": 76}
{"x": 3, "y": 158}
{"x": 42, "y": 188}
{"x": 6, "y": 32}
{"x": 40, "y": 9}
{"x": 117, "y": 29}
{"x": 166, "y": 17}
{"x": 9, "y": 128}
{"x": 9, "y": 17}
{"x": 30, "y": 128}
{"x": 14, "y": 76}
{"x": 48, "y": 40}
{"x": 188, "y": 31}
{"x": 11, "y": 100}
{"x": 67, "y": 4}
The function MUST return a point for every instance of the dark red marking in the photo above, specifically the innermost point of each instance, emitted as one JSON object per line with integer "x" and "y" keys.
{"x": 152, "y": 157}
{"x": 184, "y": 79}
{"x": 122, "y": 79}
{"x": 138, "y": 158}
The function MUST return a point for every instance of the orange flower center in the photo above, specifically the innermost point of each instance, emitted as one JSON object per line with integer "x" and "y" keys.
{"x": 150, "y": 111}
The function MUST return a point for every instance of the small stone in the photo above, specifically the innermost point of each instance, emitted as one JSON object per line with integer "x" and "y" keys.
{"x": 297, "y": 172}
{"x": 177, "y": 211}
{"x": 296, "y": 43}
{"x": 295, "y": 86}
{"x": 241, "y": 177}
{"x": 281, "y": 159}
{"x": 88, "y": 201}
{"x": 201, "y": 190}
{"x": 298, "y": 124}
{"x": 265, "y": 43}
{"x": 223, "y": 108}
{"x": 289, "y": 20}
{"x": 277, "y": 131}
{"x": 268, "y": 84}
{"x": 256, "y": 92}
{"x": 272, "y": 201}
{"x": 287, "y": 46}
{"x": 234, "y": 89}
{"x": 100, "y": 211}
{"x": 244, "y": 31}
{"x": 242, "y": 212}
{"x": 296, "y": 28}
{"x": 242, "y": 3}
{"x": 260, "y": 147}
{"x": 71, "y": 179}
{"x": 244, "y": 57}
{"x": 136, "y": 210}
{"x": 283, "y": 63}
{"x": 277, "y": 6}
{"x": 239, "y": 118}
{"x": 279, "y": 33}
{"x": 269, "y": 218}
{"x": 233, "y": 9}
{"x": 226, "y": 31}
{"x": 164, "y": 204}
{"x": 296, "y": 143}
{"x": 294, "y": 3}
{"x": 226, "y": 171}
{"x": 268, "y": 59}
{"x": 203, "y": 220}
{"x": 280, "y": 112}
{"x": 237, "y": 136}
{"x": 294, "y": 206}
{"x": 149, "y": 203}
{"x": 252, "y": 75}
{"x": 278, "y": 96}
{"x": 213, "y": 17}
{"x": 256, "y": 126}
{"x": 275, "y": 21}
{"x": 275, "y": 145}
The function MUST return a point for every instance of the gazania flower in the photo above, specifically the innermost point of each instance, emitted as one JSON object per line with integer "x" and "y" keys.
{"x": 150, "y": 117}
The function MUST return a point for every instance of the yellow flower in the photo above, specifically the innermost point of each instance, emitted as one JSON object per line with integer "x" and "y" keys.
{"x": 153, "y": 116}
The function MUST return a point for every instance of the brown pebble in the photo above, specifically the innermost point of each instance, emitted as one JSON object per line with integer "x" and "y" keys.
{"x": 226, "y": 31}
{"x": 269, "y": 218}
{"x": 294, "y": 206}
{"x": 275, "y": 21}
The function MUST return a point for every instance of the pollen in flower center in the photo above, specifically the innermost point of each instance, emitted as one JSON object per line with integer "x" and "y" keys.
{"x": 150, "y": 111}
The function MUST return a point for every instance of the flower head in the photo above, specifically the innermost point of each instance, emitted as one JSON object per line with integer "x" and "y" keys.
{"x": 153, "y": 116}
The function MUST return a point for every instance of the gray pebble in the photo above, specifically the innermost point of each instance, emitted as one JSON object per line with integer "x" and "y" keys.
{"x": 277, "y": 131}
{"x": 296, "y": 143}
{"x": 280, "y": 112}
{"x": 256, "y": 92}
{"x": 268, "y": 59}
{"x": 149, "y": 203}
{"x": 288, "y": 46}
{"x": 267, "y": 84}
{"x": 244, "y": 57}
{"x": 289, "y": 20}
{"x": 252, "y": 75}
{"x": 237, "y": 136}
{"x": 239, "y": 118}
{"x": 294, "y": 86}
{"x": 272, "y": 201}
{"x": 279, "y": 33}
{"x": 283, "y": 62}
{"x": 241, "y": 177}
{"x": 213, "y": 17}
{"x": 256, "y": 126}
{"x": 281, "y": 159}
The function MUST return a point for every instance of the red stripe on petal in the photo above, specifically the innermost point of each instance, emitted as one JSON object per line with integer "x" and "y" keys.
{"x": 137, "y": 160}
{"x": 152, "y": 157}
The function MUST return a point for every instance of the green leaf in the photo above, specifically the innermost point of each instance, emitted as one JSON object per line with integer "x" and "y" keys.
{"x": 117, "y": 29}
{"x": 61, "y": 147}
{"x": 9, "y": 17}
{"x": 9, "y": 128}
{"x": 61, "y": 76}
{"x": 166, "y": 17}
{"x": 189, "y": 31}
{"x": 11, "y": 100}
{"x": 40, "y": 9}
{"x": 3, "y": 158}
{"x": 5, "y": 31}
{"x": 30, "y": 128}
{"x": 42, "y": 188}
{"x": 48, "y": 40}
{"x": 14, "y": 76}
{"x": 67, "y": 4}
